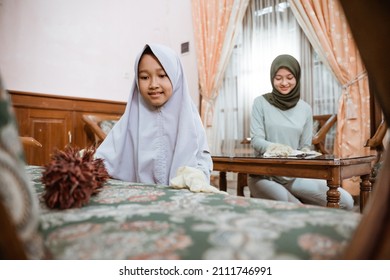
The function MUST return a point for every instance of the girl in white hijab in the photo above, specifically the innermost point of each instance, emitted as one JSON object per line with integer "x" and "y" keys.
{"x": 160, "y": 130}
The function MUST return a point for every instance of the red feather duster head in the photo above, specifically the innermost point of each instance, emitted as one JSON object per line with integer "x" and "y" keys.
{"x": 71, "y": 177}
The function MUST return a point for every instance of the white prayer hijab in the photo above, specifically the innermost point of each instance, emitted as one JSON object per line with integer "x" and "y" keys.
{"x": 149, "y": 144}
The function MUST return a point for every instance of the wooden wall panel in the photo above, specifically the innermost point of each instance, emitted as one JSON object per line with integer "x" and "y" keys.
{"x": 53, "y": 129}
{"x": 55, "y": 121}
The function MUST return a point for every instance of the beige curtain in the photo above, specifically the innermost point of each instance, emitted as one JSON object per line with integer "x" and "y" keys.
{"x": 216, "y": 24}
{"x": 324, "y": 23}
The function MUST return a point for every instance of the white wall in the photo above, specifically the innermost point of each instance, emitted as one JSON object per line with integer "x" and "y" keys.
{"x": 87, "y": 48}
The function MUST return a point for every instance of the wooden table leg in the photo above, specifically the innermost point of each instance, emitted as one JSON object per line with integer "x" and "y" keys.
{"x": 241, "y": 183}
{"x": 365, "y": 191}
{"x": 333, "y": 195}
{"x": 222, "y": 181}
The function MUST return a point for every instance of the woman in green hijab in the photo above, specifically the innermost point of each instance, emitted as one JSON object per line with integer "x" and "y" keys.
{"x": 281, "y": 123}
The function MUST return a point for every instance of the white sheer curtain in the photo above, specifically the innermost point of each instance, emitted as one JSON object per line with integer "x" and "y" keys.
{"x": 269, "y": 29}
{"x": 226, "y": 123}
{"x": 326, "y": 95}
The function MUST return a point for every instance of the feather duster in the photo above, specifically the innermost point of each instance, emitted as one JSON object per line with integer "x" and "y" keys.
{"x": 71, "y": 177}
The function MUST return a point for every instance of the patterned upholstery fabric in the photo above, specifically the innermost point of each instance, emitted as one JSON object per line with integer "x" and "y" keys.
{"x": 107, "y": 125}
{"x": 128, "y": 221}
{"x": 16, "y": 192}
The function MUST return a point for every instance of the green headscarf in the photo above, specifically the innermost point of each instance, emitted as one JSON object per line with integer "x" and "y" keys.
{"x": 285, "y": 101}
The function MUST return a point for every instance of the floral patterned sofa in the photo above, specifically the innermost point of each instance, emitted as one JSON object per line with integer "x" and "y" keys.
{"x": 137, "y": 221}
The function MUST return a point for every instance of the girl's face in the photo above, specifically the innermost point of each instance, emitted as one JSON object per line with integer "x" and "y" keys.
{"x": 154, "y": 84}
{"x": 284, "y": 81}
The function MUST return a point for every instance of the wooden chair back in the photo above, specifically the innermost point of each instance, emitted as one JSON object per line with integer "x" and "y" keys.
{"x": 323, "y": 123}
{"x": 93, "y": 126}
{"x": 376, "y": 141}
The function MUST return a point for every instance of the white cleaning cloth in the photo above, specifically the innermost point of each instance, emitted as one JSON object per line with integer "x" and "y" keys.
{"x": 278, "y": 150}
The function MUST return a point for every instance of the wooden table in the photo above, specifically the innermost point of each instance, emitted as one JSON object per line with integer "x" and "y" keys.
{"x": 333, "y": 170}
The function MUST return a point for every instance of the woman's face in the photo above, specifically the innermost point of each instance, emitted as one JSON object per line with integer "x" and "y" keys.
{"x": 154, "y": 84}
{"x": 284, "y": 81}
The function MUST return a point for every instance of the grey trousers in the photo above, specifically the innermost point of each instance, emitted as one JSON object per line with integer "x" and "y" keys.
{"x": 298, "y": 190}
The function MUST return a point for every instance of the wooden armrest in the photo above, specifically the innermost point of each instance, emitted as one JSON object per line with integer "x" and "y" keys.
{"x": 377, "y": 138}
{"x": 94, "y": 126}
{"x": 321, "y": 133}
{"x": 92, "y": 121}
{"x": 30, "y": 141}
